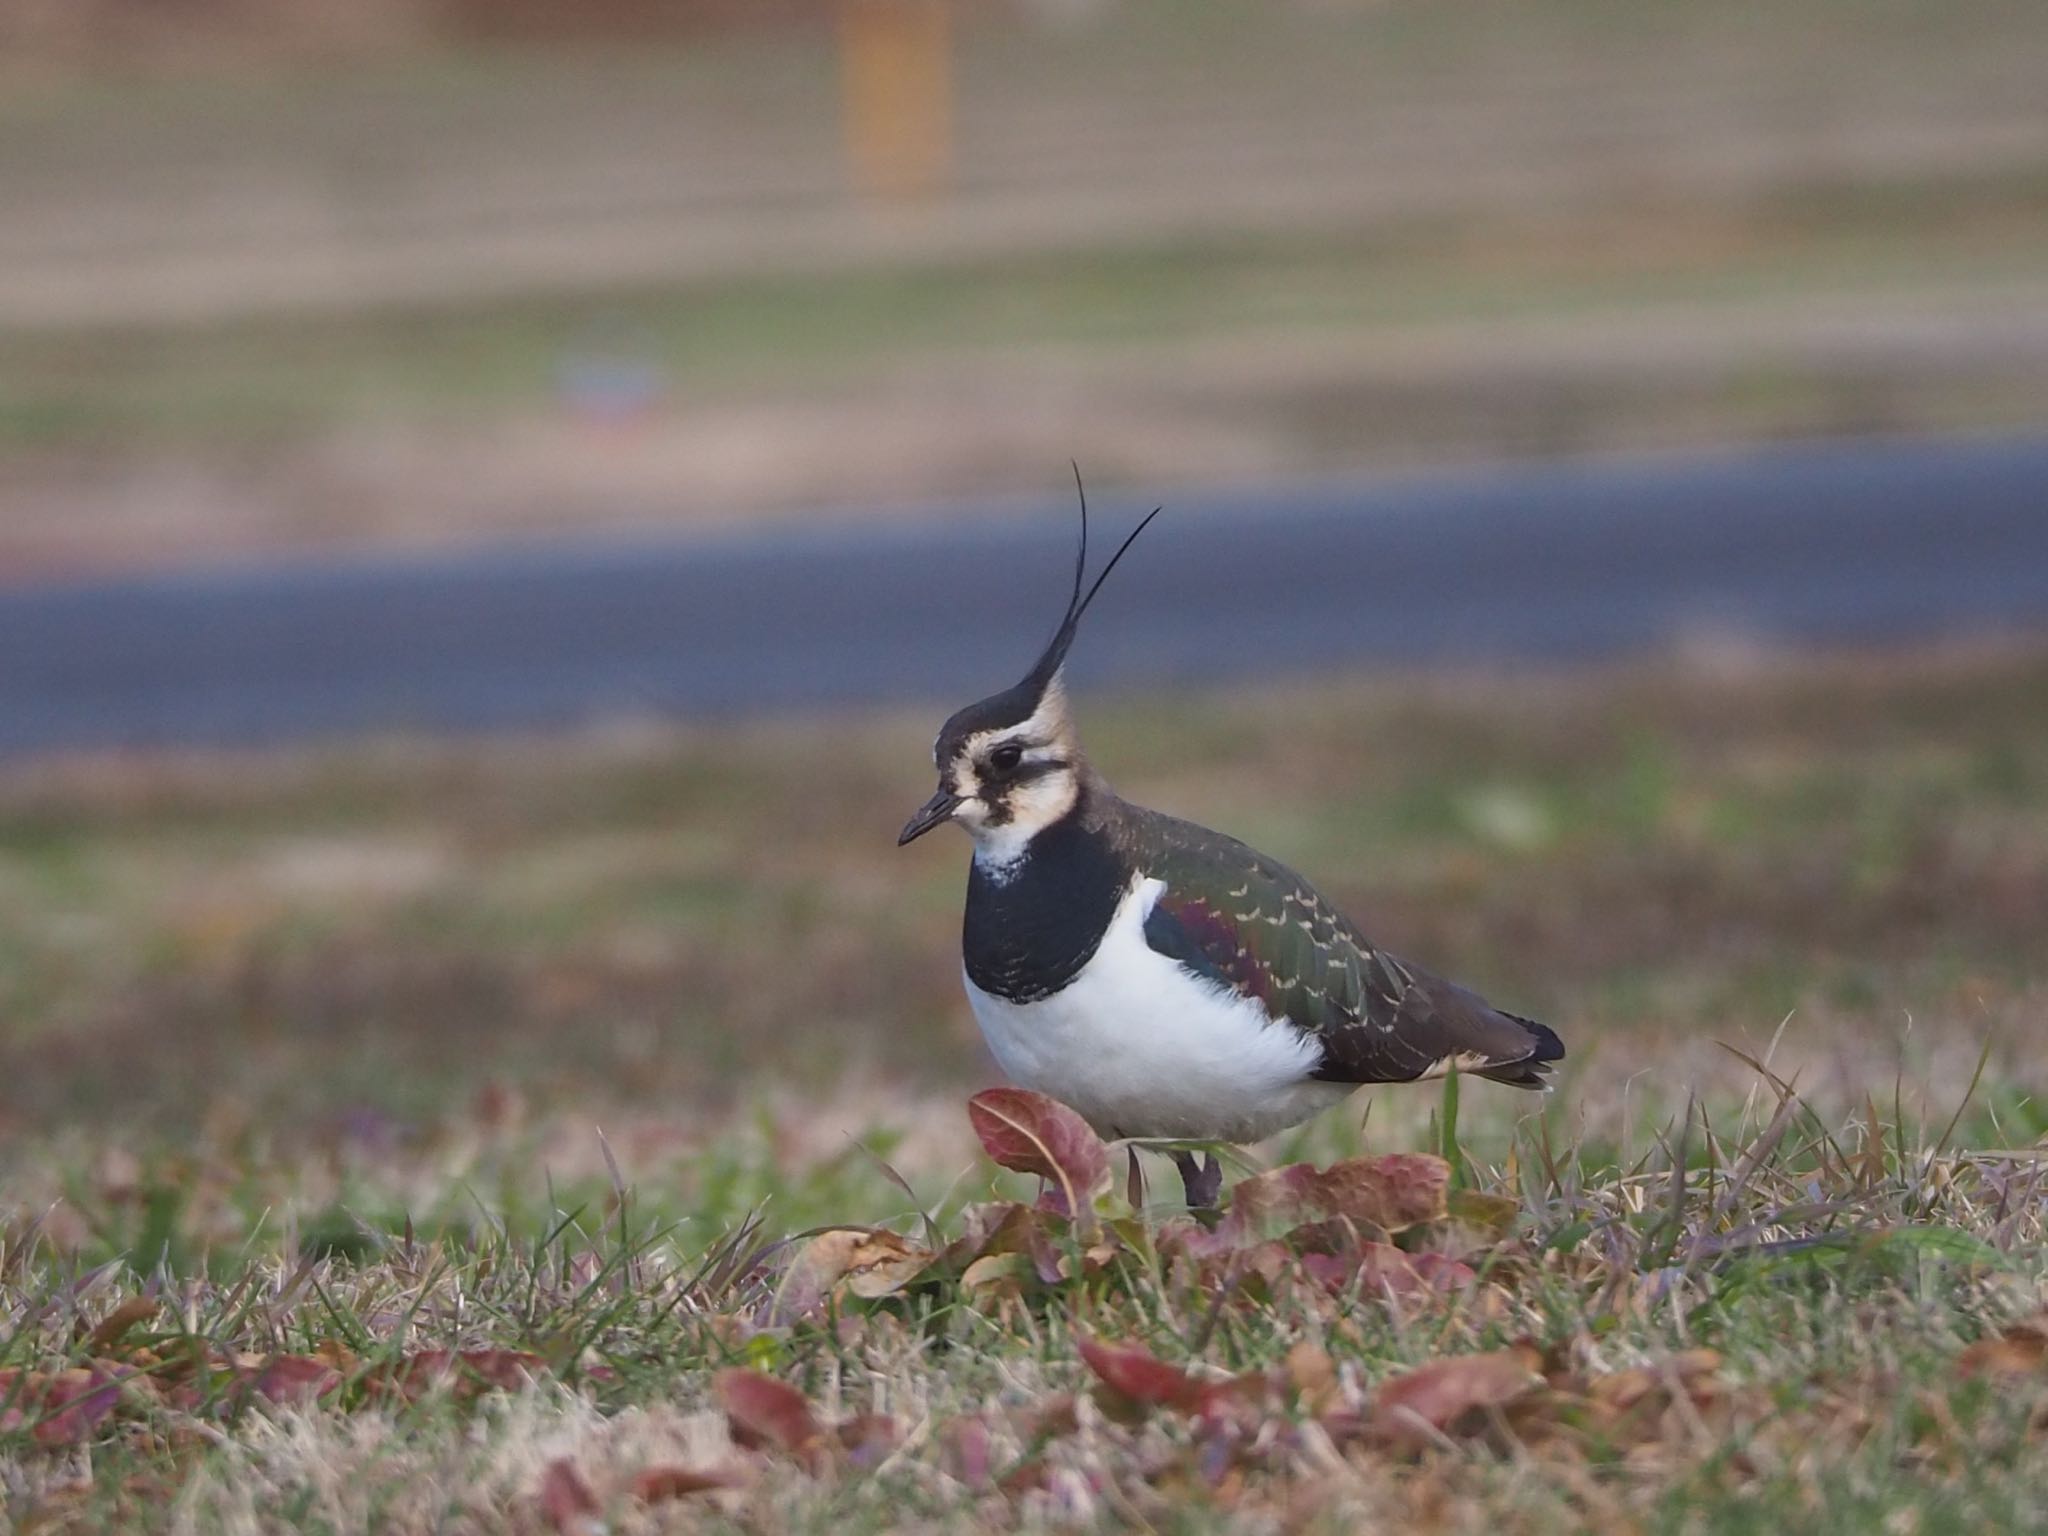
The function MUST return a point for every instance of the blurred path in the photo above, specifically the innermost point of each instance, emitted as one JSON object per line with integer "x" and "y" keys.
{"x": 1824, "y": 544}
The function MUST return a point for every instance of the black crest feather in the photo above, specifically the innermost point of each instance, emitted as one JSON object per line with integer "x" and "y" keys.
{"x": 1040, "y": 677}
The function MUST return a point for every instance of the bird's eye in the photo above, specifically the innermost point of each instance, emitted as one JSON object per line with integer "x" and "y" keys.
{"x": 1006, "y": 757}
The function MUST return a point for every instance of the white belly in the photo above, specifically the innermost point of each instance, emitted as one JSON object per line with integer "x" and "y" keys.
{"x": 1141, "y": 1047}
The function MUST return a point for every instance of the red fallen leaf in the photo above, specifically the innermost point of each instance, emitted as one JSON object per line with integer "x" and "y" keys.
{"x": 1381, "y": 1269}
{"x": 868, "y": 1439}
{"x": 764, "y": 1411}
{"x": 1034, "y": 1134}
{"x": 294, "y": 1379}
{"x": 659, "y": 1485}
{"x": 1135, "y": 1373}
{"x": 467, "y": 1373}
{"x": 967, "y": 1449}
{"x": 1390, "y": 1193}
{"x": 1437, "y": 1396}
{"x": 72, "y": 1403}
{"x": 567, "y": 1501}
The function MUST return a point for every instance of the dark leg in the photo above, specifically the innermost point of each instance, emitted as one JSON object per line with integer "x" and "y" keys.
{"x": 1134, "y": 1181}
{"x": 1203, "y": 1181}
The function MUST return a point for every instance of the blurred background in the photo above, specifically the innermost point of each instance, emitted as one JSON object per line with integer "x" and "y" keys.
{"x": 1606, "y": 444}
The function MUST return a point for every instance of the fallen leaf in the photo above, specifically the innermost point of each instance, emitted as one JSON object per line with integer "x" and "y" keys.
{"x": 73, "y": 1402}
{"x": 764, "y": 1411}
{"x": 293, "y": 1379}
{"x": 991, "y": 1228}
{"x": 659, "y": 1485}
{"x": 567, "y": 1501}
{"x": 116, "y": 1324}
{"x": 2019, "y": 1351}
{"x": 1390, "y": 1193}
{"x": 865, "y": 1262}
{"x": 998, "y": 1269}
{"x": 1492, "y": 1215}
{"x": 1312, "y": 1375}
{"x": 1134, "y": 1373}
{"x": 1031, "y": 1133}
{"x": 967, "y": 1450}
{"x": 868, "y": 1439}
{"x": 466, "y": 1373}
{"x": 1437, "y": 1397}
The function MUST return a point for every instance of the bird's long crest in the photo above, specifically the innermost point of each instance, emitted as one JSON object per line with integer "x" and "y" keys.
{"x": 1040, "y": 677}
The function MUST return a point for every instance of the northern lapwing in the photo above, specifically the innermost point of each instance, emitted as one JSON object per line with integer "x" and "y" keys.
{"x": 1164, "y": 980}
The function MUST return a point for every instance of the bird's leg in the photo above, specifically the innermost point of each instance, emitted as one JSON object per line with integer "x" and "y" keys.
{"x": 1203, "y": 1181}
{"x": 1134, "y": 1181}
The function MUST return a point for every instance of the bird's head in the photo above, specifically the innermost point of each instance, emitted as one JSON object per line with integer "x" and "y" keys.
{"x": 1010, "y": 765}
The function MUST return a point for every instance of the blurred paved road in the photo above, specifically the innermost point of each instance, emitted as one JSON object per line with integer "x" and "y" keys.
{"x": 1816, "y": 544}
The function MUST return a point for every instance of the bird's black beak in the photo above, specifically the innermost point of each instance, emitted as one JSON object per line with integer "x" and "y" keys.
{"x": 939, "y": 808}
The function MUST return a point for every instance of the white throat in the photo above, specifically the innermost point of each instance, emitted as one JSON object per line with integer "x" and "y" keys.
{"x": 998, "y": 851}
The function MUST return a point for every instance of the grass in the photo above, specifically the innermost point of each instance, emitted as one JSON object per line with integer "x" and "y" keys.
{"x": 262, "y": 381}
{"x": 321, "y": 1065}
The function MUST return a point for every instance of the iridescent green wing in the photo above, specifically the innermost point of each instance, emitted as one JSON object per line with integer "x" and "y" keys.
{"x": 1249, "y": 923}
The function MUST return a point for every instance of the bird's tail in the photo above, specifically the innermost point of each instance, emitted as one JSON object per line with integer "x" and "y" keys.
{"x": 1532, "y": 1070}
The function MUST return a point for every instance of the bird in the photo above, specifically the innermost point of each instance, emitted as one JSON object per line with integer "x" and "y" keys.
{"x": 1165, "y": 981}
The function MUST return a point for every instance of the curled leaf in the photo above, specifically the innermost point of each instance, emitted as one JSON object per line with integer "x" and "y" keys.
{"x": 863, "y": 1261}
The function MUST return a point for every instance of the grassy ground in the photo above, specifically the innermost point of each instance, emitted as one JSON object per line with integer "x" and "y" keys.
{"x": 321, "y": 1065}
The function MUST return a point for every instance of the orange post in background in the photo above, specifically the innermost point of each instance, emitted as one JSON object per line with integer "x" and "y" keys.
{"x": 897, "y": 75}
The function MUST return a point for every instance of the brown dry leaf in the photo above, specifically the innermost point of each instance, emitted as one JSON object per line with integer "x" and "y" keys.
{"x": 659, "y": 1485}
{"x": 1411, "y": 1410}
{"x": 1312, "y": 1375}
{"x": 998, "y": 1269}
{"x": 865, "y": 1262}
{"x": 116, "y": 1325}
{"x": 2020, "y": 1351}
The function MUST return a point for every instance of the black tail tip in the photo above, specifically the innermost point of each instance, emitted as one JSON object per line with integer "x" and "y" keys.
{"x": 1532, "y": 1070}
{"x": 1548, "y": 1046}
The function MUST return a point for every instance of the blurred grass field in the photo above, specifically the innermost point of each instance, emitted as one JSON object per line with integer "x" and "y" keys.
{"x": 662, "y": 919}
{"x": 339, "y": 1058}
{"x": 433, "y": 294}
